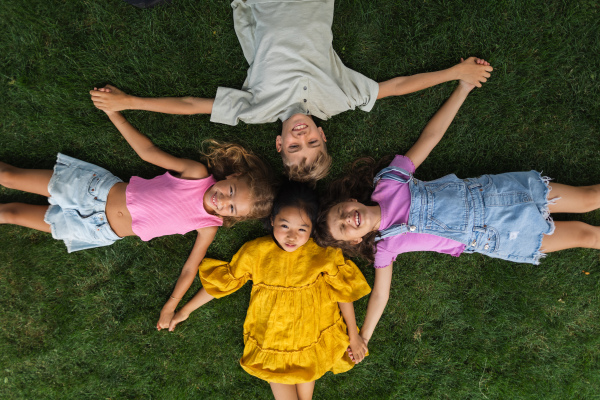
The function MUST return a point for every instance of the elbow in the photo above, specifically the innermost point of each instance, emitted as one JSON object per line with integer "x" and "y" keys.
{"x": 192, "y": 105}
{"x": 380, "y": 296}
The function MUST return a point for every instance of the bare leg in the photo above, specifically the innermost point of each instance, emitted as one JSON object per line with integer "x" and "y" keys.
{"x": 571, "y": 234}
{"x": 282, "y": 391}
{"x": 305, "y": 390}
{"x": 574, "y": 199}
{"x": 26, "y": 215}
{"x": 27, "y": 180}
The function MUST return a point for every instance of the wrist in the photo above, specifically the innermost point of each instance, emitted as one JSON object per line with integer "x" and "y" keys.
{"x": 455, "y": 72}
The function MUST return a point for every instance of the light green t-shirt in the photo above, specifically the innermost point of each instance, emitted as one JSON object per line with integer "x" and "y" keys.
{"x": 293, "y": 67}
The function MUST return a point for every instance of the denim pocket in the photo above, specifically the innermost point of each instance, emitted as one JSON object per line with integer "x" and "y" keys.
{"x": 93, "y": 185}
{"x": 448, "y": 206}
{"x": 486, "y": 240}
{"x": 506, "y": 199}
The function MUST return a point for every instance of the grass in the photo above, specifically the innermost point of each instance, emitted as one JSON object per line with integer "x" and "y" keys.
{"x": 81, "y": 326}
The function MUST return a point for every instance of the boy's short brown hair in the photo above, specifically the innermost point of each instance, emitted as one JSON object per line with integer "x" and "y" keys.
{"x": 304, "y": 172}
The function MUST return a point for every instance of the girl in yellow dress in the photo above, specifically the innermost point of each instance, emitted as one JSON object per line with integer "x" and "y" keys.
{"x": 300, "y": 321}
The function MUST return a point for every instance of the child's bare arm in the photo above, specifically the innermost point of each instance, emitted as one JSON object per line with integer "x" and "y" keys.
{"x": 438, "y": 125}
{"x": 110, "y": 98}
{"x": 187, "y": 276}
{"x": 473, "y": 70}
{"x": 199, "y": 299}
{"x": 377, "y": 301}
{"x": 189, "y": 169}
{"x": 358, "y": 347}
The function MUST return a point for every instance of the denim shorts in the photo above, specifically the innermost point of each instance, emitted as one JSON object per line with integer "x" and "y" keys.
{"x": 515, "y": 216}
{"x": 78, "y": 192}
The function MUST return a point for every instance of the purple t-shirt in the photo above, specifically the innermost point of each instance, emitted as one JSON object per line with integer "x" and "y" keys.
{"x": 394, "y": 199}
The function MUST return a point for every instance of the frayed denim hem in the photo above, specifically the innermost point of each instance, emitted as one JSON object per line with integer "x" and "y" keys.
{"x": 547, "y": 216}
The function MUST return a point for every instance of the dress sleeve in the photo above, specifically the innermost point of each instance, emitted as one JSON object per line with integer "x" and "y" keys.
{"x": 345, "y": 281}
{"x": 220, "y": 278}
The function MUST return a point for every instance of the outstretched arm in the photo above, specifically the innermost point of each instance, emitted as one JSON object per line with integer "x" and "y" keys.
{"x": 358, "y": 347}
{"x": 187, "y": 276}
{"x": 188, "y": 169}
{"x": 473, "y": 70}
{"x": 109, "y": 98}
{"x": 200, "y": 299}
{"x": 438, "y": 125}
{"x": 377, "y": 301}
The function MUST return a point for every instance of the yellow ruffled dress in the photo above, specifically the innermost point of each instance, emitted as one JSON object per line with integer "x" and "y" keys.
{"x": 294, "y": 330}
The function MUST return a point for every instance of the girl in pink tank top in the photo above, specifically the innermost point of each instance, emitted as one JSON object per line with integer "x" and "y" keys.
{"x": 90, "y": 207}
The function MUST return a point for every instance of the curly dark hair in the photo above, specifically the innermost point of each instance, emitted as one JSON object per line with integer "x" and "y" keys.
{"x": 224, "y": 159}
{"x": 358, "y": 184}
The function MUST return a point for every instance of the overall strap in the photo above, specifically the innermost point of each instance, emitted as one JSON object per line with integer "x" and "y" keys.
{"x": 394, "y": 230}
{"x": 387, "y": 174}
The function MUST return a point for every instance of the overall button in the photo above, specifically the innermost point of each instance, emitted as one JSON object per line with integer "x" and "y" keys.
{"x": 473, "y": 243}
{"x": 412, "y": 228}
{"x": 305, "y": 88}
{"x": 487, "y": 246}
{"x": 305, "y": 100}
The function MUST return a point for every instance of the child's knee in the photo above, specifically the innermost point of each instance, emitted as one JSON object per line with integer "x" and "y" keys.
{"x": 592, "y": 198}
{"x": 589, "y": 236}
{"x": 7, "y": 175}
{"x": 9, "y": 214}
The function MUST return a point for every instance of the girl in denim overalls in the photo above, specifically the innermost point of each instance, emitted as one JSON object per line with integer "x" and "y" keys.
{"x": 504, "y": 216}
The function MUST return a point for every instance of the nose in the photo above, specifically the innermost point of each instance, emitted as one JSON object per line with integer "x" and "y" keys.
{"x": 348, "y": 218}
{"x": 291, "y": 236}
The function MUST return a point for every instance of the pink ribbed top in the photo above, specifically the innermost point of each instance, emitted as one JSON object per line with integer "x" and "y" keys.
{"x": 166, "y": 205}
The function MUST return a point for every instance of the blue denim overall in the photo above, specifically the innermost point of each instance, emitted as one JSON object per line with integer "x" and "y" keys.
{"x": 502, "y": 216}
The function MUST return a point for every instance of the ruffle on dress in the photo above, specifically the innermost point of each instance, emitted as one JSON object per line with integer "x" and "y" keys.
{"x": 294, "y": 331}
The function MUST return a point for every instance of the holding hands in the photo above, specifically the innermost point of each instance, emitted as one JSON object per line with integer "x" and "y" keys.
{"x": 357, "y": 351}
{"x": 110, "y": 98}
{"x": 473, "y": 71}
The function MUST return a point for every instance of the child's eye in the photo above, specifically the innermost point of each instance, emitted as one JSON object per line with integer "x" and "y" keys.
{"x": 231, "y": 208}
{"x": 294, "y": 146}
{"x": 230, "y": 190}
{"x": 312, "y": 142}
{"x": 284, "y": 226}
{"x": 302, "y": 230}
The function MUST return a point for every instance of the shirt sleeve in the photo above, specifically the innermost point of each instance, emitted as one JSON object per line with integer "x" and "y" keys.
{"x": 359, "y": 90}
{"x": 404, "y": 163}
{"x": 383, "y": 258}
{"x": 220, "y": 278}
{"x": 344, "y": 279}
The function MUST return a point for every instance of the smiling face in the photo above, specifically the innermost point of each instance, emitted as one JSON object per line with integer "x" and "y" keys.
{"x": 291, "y": 228}
{"x": 350, "y": 221}
{"x": 300, "y": 139}
{"x": 230, "y": 197}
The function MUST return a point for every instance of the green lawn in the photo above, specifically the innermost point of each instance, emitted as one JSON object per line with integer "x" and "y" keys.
{"x": 82, "y": 325}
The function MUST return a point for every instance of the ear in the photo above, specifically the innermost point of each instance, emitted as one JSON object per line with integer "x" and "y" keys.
{"x": 353, "y": 200}
{"x": 278, "y": 145}
{"x": 322, "y": 133}
{"x": 233, "y": 175}
{"x": 356, "y": 241}
{"x": 272, "y": 224}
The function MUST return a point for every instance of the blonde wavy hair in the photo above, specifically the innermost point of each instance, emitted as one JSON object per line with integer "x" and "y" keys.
{"x": 309, "y": 173}
{"x": 224, "y": 159}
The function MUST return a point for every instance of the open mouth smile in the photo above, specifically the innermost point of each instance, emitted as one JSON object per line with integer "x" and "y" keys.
{"x": 357, "y": 218}
{"x": 299, "y": 127}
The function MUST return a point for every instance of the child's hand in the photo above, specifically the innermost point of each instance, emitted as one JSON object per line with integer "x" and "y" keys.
{"x": 180, "y": 316}
{"x": 166, "y": 315}
{"x": 109, "y": 98}
{"x": 473, "y": 71}
{"x": 357, "y": 349}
